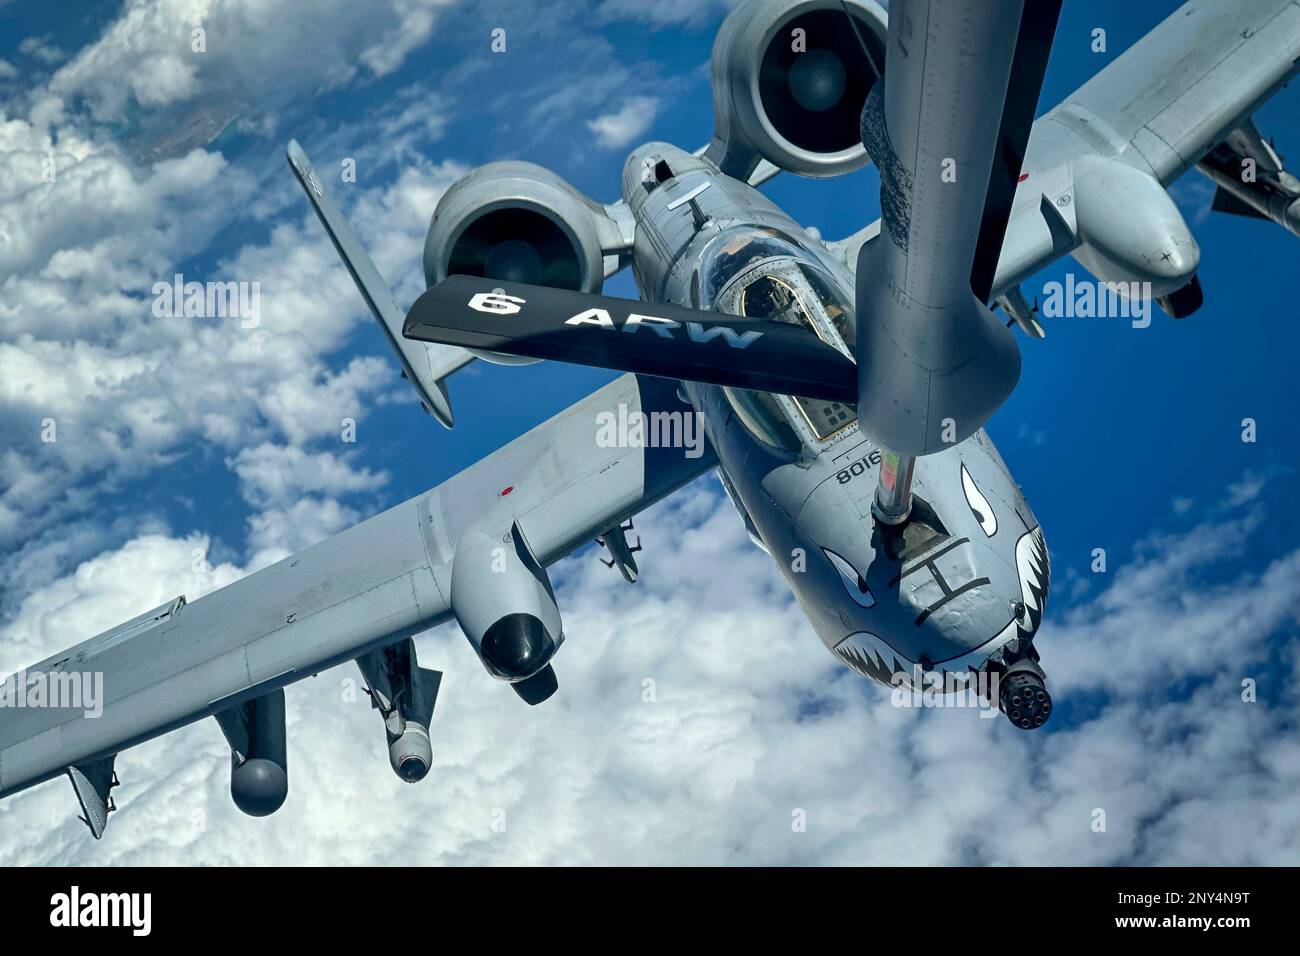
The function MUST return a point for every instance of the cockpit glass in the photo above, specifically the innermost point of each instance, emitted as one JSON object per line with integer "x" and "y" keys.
{"x": 768, "y": 297}
{"x": 735, "y": 251}
{"x": 759, "y": 274}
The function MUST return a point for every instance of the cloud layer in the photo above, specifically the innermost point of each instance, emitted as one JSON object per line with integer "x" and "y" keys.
{"x": 699, "y": 719}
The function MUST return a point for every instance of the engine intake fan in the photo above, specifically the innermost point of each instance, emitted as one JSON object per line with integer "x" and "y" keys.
{"x": 521, "y": 223}
{"x": 789, "y": 82}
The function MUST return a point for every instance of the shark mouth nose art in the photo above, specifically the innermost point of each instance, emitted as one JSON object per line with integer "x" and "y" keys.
{"x": 872, "y": 656}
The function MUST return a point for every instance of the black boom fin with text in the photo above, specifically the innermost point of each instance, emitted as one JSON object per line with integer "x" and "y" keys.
{"x": 629, "y": 335}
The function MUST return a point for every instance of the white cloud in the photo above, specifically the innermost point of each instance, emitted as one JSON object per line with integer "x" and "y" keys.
{"x": 618, "y": 129}
{"x": 124, "y": 393}
{"x": 128, "y": 391}
{"x": 663, "y": 13}
{"x": 752, "y": 719}
{"x": 1245, "y": 490}
{"x": 277, "y": 532}
{"x": 256, "y": 54}
{"x": 280, "y": 474}
{"x": 294, "y": 494}
{"x": 40, "y": 48}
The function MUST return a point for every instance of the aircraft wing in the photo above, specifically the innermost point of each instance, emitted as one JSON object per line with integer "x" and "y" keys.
{"x": 1180, "y": 89}
{"x": 1159, "y": 107}
{"x": 379, "y": 582}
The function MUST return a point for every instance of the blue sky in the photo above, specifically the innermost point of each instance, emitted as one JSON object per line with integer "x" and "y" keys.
{"x": 1123, "y": 439}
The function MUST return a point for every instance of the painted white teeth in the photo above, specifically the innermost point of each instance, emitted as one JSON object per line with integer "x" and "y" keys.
{"x": 873, "y": 657}
{"x": 1032, "y": 565}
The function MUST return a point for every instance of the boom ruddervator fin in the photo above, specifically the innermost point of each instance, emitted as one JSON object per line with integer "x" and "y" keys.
{"x": 629, "y": 335}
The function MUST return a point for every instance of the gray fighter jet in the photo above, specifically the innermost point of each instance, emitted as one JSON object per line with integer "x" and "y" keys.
{"x": 843, "y": 386}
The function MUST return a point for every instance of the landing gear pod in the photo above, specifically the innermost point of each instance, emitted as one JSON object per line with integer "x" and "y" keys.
{"x": 259, "y": 764}
{"x": 1132, "y": 231}
{"x": 504, "y": 603}
{"x": 1181, "y": 303}
{"x": 1023, "y": 695}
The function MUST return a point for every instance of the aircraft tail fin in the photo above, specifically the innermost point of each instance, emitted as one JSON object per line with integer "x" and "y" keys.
{"x": 423, "y": 365}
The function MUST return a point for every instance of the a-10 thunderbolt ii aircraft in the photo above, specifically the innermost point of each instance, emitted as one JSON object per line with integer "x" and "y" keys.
{"x": 843, "y": 385}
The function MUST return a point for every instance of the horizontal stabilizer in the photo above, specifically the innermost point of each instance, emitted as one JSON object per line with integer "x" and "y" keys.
{"x": 92, "y": 783}
{"x": 631, "y": 336}
{"x": 422, "y": 366}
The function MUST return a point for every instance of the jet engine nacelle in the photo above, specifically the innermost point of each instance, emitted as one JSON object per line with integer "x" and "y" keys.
{"x": 1131, "y": 231}
{"x": 503, "y": 601}
{"x": 521, "y": 223}
{"x": 259, "y": 764}
{"x": 789, "y": 83}
{"x": 404, "y": 693}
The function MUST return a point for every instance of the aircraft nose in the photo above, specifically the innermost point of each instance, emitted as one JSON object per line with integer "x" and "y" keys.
{"x": 945, "y": 605}
{"x": 949, "y": 591}
{"x": 941, "y": 594}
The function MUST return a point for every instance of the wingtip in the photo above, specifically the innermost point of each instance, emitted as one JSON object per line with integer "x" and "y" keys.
{"x": 297, "y": 157}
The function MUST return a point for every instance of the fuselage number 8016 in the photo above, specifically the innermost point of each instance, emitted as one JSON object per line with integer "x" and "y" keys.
{"x": 848, "y": 473}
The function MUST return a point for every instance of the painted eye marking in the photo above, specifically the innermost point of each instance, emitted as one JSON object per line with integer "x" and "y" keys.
{"x": 854, "y": 582}
{"x": 979, "y": 505}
